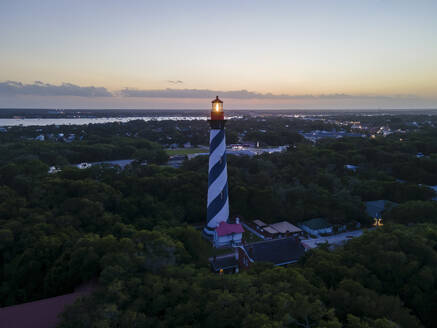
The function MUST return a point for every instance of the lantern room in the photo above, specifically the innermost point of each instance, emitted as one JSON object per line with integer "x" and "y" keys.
{"x": 217, "y": 109}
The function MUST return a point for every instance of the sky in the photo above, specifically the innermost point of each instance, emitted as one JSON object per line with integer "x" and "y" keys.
{"x": 325, "y": 54}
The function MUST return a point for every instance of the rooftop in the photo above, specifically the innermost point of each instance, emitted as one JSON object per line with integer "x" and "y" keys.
{"x": 271, "y": 230}
{"x": 43, "y": 313}
{"x": 316, "y": 224}
{"x": 224, "y": 262}
{"x": 285, "y": 227}
{"x": 225, "y": 228}
{"x": 217, "y": 100}
{"x": 277, "y": 251}
{"x": 259, "y": 223}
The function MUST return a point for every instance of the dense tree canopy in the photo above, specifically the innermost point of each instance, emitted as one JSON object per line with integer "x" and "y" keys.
{"x": 135, "y": 230}
{"x": 387, "y": 278}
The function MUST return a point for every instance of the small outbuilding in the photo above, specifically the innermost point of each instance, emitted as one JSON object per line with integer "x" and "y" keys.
{"x": 270, "y": 233}
{"x": 224, "y": 264}
{"x": 259, "y": 223}
{"x": 316, "y": 226}
{"x": 286, "y": 229}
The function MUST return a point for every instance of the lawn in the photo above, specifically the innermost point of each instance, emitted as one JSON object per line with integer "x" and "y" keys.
{"x": 185, "y": 151}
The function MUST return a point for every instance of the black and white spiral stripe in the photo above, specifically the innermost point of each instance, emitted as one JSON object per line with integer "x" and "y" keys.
{"x": 218, "y": 202}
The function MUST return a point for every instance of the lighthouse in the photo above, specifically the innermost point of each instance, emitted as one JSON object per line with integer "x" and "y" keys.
{"x": 218, "y": 201}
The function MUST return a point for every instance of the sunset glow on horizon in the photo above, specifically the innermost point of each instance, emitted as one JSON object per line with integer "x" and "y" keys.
{"x": 167, "y": 54}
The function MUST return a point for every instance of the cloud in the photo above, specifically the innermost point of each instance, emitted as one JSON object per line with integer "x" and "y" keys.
{"x": 194, "y": 93}
{"x": 241, "y": 94}
{"x": 39, "y": 88}
{"x": 175, "y": 81}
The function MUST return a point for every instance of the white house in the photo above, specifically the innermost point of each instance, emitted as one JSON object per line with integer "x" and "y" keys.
{"x": 351, "y": 167}
{"x": 53, "y": 170}
{"x": 84, "y": 166}
{"x": 228, "y": 234}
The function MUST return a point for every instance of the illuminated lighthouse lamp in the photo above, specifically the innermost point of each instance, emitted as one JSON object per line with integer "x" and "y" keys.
{"x": 217, "y": 109}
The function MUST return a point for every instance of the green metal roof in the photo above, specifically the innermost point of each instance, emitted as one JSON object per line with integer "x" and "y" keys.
{"x": 316, "y": 224}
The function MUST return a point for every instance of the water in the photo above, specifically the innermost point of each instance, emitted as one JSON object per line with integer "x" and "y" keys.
{"x": 95, "y": 120}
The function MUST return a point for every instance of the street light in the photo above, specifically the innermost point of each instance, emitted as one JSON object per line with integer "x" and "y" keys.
{"x": 378, "y": 222}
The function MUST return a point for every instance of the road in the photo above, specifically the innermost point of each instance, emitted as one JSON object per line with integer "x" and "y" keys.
{"x": 332, "y": 240}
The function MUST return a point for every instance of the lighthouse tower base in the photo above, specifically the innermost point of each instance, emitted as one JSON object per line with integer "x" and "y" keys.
{"x": 208, "y": 233}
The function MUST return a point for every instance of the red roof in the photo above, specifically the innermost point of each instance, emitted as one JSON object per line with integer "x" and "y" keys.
{"x": 225, "y": 228}
{"x": 40, "y": 314}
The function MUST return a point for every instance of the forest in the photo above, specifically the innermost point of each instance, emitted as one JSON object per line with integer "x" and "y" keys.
{"x": 136, "y": 232}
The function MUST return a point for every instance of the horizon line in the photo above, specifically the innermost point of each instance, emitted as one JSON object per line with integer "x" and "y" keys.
{"x": 235, "y": 109}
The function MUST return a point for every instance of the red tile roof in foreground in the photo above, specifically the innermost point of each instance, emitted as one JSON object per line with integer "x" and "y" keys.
{"x": 39, "y": 314}
{"x": 225, "y": 228}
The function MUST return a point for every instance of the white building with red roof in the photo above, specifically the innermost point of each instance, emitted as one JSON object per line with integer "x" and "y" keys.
{"x": 228, "y": 234}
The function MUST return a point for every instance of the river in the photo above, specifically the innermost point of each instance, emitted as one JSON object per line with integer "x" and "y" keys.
{"x": 92, "y": 120}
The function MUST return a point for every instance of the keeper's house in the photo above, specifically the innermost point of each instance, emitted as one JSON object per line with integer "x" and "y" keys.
{"x": 228, "y": 234}
{"x": 316, "y": 226}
